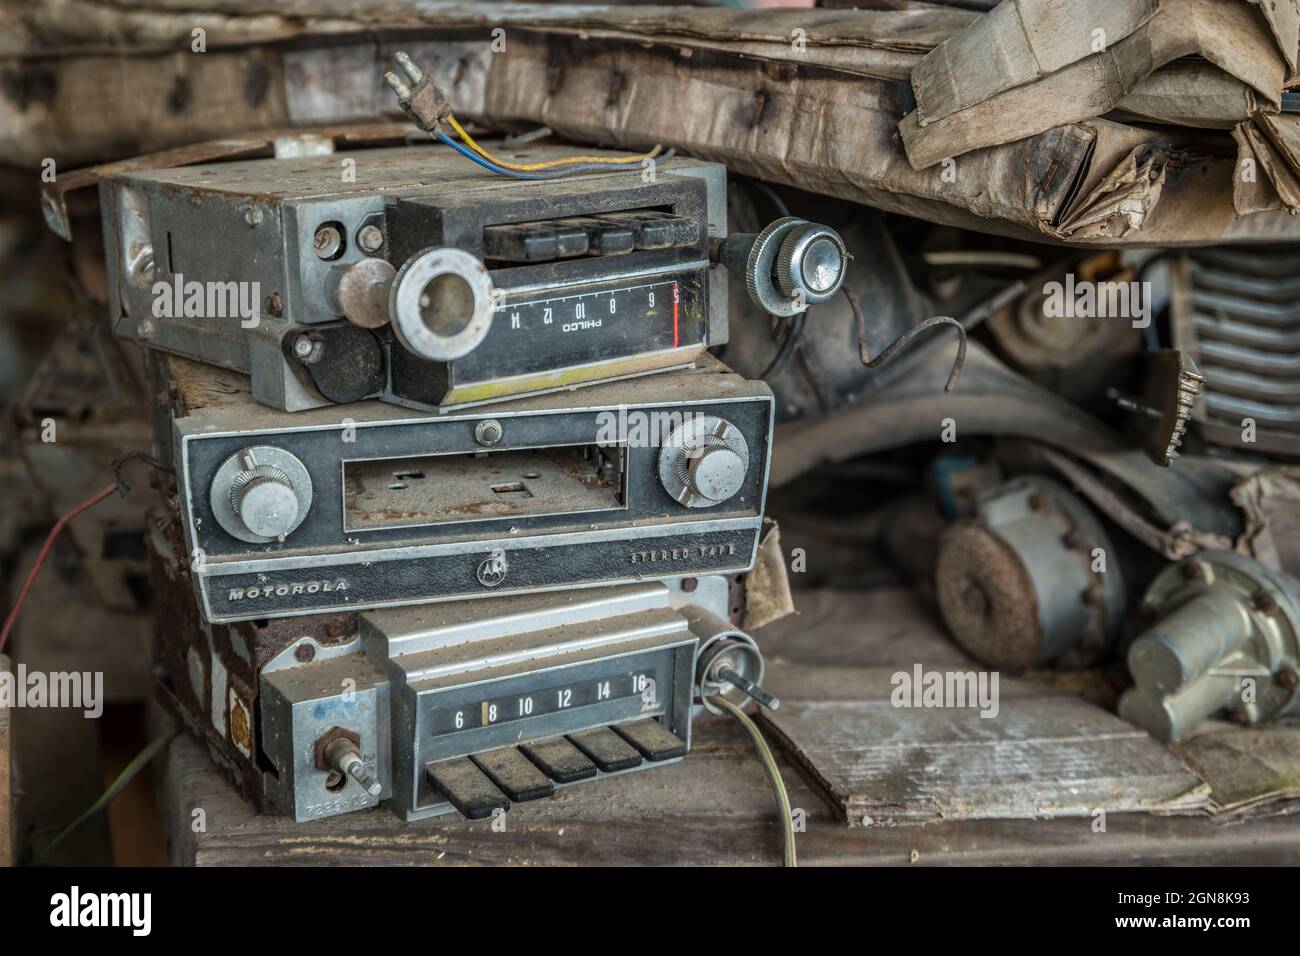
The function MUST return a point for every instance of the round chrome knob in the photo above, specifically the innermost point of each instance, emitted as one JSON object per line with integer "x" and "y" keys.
{"x": 715, "y": 473}
{"x": 811, "y": 263}
{"x": 788, "y": 266}
{"x": 441, "y": 303}
{"x": 263, "y": 499}
{"x": 704, "y": 462}
{"x": 261, "y": 494}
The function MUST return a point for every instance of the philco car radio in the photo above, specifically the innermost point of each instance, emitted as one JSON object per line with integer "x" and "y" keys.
{"x": 374, "y": 505}
{"x": 413, "y": 276}
{"x": 465, "y": 705}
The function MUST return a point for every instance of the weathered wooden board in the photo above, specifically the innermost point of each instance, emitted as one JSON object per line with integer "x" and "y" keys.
{"x": 1043, "y": 753}
{"x": 1249, "y": 770}
{"x": 713, "y": 808}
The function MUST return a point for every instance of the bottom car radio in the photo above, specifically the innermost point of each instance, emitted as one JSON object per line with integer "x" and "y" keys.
{"x": 470, "y": 705}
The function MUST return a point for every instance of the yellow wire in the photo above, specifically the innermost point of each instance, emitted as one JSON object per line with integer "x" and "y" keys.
{"x": 773, "y": 776}
{"x": 550, "y": 164}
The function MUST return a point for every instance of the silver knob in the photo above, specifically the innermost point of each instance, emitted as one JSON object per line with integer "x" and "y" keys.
{"x": 790, "y": 265}
{"x": 811, "y": 263}
{"x": 261, "y": 494}
{"x": 442, "y": 302}
{"x": 264, "y": 500}
{"x": 704, "y": 462}
{"x": 715, "y": 472}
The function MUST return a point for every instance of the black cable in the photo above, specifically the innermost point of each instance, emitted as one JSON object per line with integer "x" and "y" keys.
{"x": 906, "y": 339}
{"x": 120, "y": 462}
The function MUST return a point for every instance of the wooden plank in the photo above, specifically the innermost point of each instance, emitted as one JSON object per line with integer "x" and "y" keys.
{"x": 1249, "y": 770}
{"x": 713, "y": 808}
{"x": 1035, "y": 752}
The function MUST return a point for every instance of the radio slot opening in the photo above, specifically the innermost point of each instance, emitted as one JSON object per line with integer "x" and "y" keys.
{"x": 443, "y": 489}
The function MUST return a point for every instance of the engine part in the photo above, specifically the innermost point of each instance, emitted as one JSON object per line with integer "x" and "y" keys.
{"x": 1225, "y": 639}
{"x": 1172, "y": 387}
{"x": 313, "y": 512}
{"x": 1235, "y": 313}
{"x": 1032, "y": 580}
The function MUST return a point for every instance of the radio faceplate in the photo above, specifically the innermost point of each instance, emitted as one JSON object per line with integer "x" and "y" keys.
{"x": 411, "y": 275}
{"x": 476, "y": 705}
{"x": 368, "y": 505}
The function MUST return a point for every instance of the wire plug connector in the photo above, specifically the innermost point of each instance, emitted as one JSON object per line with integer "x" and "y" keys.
{"x": 426, "y": 104}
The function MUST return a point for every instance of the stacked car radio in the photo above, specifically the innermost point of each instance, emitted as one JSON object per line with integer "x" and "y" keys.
{"x": 407, "y": 559}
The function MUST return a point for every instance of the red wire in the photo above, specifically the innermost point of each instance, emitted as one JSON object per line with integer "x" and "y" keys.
{"x": 59, "y": 525}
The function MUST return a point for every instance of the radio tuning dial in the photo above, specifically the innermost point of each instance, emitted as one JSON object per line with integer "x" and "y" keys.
{"x": 261, "y": 494}
{"x": 788, "y": 266}
{"x": 704, "y": 462}
{"x": 263, "y": 499}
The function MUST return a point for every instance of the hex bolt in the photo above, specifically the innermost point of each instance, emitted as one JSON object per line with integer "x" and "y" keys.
{"x": 1263, "y": 601}
{"x": 370, "y": 239}
{"x": 307, "y": 350}
{"x": 488, "y": 432}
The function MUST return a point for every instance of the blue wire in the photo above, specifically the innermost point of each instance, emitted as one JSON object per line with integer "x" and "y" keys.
{"x": 468, "y": 154}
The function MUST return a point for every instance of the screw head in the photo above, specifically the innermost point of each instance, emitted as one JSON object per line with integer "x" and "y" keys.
{"x": 328, "y": 242}
{"x": 370, "y": 238}
{"x": 304, "y": 652}
{"x": 1288, "y": 678}
{"x": 488, "y": 432}
{"x": 690, "y": 584}
{"x": 144, "y": 328}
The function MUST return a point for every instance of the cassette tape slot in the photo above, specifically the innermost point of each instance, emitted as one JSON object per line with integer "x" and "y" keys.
{"x": 431, "y": 490}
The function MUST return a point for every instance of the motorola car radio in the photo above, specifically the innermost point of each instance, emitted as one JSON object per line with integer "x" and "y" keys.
{"x": 373, "y": 505}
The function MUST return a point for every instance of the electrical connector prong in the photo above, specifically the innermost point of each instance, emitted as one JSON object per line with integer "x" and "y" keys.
{"x": 408, "y": 67}
{"x": 426, "y": 105}
{"x": 401, "y": 89}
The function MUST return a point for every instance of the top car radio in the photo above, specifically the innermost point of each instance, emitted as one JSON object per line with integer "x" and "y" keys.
{"x": 413, "y": 276}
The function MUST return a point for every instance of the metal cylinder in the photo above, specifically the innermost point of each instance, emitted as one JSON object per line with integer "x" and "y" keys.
{"x": 1032, "y": 581}
{"x": 1190, "y": 641}
{"x": 1226, "y": 637}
